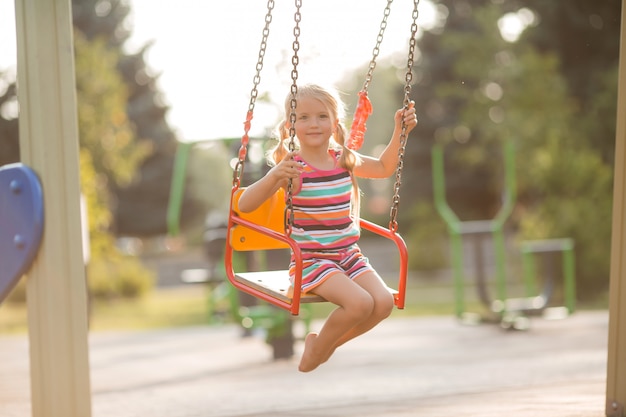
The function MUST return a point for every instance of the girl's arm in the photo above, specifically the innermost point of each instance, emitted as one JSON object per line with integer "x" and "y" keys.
{"x": 385, "y": 164}
{"x": 255, "y": 194}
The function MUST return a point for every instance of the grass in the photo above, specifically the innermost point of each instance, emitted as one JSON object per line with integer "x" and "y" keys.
{"x": 12, "y": 318}
{"x": 183, "y": 306}
{"x": 186, "y": 306}
{"x": 189, "y": 306}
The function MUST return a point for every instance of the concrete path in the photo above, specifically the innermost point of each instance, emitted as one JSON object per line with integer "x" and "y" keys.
{"x": 431, "y": 367}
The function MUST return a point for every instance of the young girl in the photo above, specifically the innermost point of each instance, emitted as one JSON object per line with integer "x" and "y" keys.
{"x": 325, "y": 206}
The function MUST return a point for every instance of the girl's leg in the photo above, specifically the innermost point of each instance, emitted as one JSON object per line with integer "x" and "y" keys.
{"x": 355, "y": 305}
{"x": 383, "y": 306}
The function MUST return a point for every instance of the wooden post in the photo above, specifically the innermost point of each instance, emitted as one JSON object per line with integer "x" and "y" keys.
{"x": 56, "y": 294}
{"x": 616, "y": 369}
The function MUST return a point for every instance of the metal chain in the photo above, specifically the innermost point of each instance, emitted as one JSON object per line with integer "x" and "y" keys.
{"x": 238, "y": 171}
{"x": 393, "y": 215}
{"x": 376, "y": 51}
{"x": 288, "y": 215}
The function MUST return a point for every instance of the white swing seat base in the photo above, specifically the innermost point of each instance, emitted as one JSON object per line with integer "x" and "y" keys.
{"x": 277, "y": 285}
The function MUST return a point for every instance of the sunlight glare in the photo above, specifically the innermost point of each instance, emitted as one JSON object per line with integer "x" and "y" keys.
{"x": 512, "y": 25}
{"x": 8, "y": 43}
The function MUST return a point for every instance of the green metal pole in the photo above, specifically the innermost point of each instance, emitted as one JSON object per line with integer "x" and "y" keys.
{"x": 439, "y": 189}
{"x": 502, "y": 216}
{"x": 500, "y": 251}
{"x": 569, "y": 276}
{"x": 177, "y": 187}
{"x": 454, "y": 227}
{"x": 459, "y": 284}
{"x": 529, "y": 272}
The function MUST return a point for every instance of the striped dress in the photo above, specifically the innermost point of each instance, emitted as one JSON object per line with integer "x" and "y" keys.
{"x": 321, "y": 208}
{"x": 323, "y": 227}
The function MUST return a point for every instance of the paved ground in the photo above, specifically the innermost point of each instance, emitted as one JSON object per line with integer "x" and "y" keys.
{"x": 432, "y": 367}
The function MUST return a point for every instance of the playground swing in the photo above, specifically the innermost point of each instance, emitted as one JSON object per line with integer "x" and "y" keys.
{"x": 269, "y": 226}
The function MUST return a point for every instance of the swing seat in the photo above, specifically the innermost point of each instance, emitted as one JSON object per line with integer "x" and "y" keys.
{"x": 263, "y": 229}
{"x": 270, "y": 214}
{"x": 276, "y": 284}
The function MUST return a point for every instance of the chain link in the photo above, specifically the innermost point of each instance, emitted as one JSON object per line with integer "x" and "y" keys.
{"x": 376, "y": 50}
{"x": 295, "y": 60}
{"x": 395, "y": 201}
{"x": 238, "y": 170}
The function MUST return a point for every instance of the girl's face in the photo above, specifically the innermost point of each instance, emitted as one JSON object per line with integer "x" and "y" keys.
{"x": 314, "y": 123}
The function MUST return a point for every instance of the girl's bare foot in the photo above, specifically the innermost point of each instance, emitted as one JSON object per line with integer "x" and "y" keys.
{"x": 309, "y": 361}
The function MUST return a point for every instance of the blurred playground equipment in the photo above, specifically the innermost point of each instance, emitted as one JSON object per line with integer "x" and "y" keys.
{"x": 224, "y": 300}
{"x": 511, "y": 313}
{"x": 21, "y": 223}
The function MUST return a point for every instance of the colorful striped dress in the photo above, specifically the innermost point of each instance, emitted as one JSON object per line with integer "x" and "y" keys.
{"x": 323, "y": 227}
{"x": 321, "y": 208}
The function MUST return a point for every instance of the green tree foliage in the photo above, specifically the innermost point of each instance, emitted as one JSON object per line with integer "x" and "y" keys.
{"x": 210, "y": 189}
{"x": 584, "y": 34}
{"x": 109, "y": 156}
{"x": 139, "y": 206}
{"x": 438, "y": 116}
{"x": 572, "y": 198}
{"x": 104, "y": 128}
{"x": 585, "y": 37}
{"x": 102, "y": 19}
{"x": 553, "y": 92}
{"x": 139, "y": 198}
{"x": 109, "y": 152}
{"x": 495, "y": 91}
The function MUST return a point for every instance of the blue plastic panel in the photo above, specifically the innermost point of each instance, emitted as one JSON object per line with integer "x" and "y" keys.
{"x": 21, "y": 223}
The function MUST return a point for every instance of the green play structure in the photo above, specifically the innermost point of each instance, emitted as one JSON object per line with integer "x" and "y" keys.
{"x": 509, "y": 312}
{"x": 223, "y": 298}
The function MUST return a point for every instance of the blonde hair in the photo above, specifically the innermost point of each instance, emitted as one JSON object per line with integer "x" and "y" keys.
{"x": 335, "y": 106}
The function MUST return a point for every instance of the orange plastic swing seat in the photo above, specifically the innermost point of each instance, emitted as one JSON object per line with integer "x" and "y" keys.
{"x": 263, "y": 229}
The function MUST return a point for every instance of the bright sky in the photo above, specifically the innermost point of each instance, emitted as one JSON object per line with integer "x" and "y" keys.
{"x": 206, "y": 52}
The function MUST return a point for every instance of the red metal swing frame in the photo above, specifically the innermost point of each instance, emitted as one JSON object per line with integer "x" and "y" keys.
{"x": 245, "y": 233}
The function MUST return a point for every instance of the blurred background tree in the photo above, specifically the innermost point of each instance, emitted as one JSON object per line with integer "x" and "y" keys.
{"x": 552, "y": 91}
{"x": 139, "y": 206}
{"x": 109, "y": 153}
{"x": 476, "y": 90}
{"x": 127, "y": 148}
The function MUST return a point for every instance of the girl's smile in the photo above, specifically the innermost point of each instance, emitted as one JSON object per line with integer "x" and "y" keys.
{"x": 314, "y": 124}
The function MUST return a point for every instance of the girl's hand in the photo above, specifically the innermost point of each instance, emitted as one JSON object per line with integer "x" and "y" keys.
{"x": 408, "y": 115}
{"x": 286, "y": 169}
